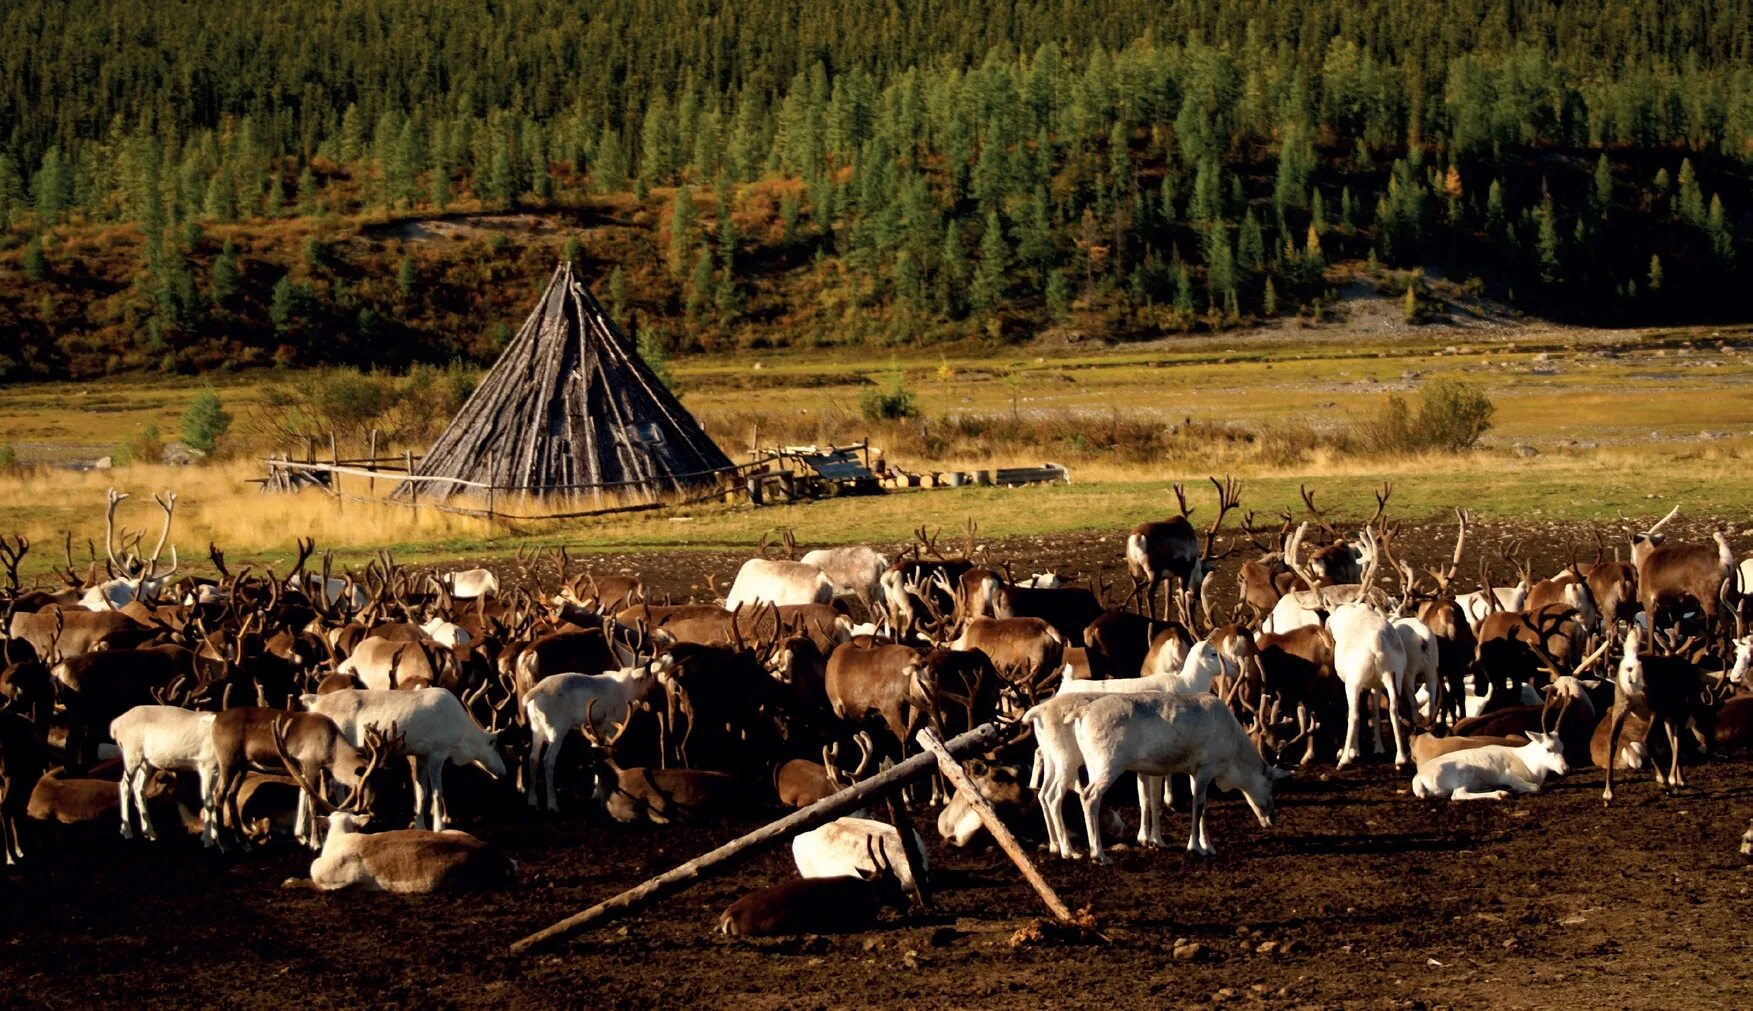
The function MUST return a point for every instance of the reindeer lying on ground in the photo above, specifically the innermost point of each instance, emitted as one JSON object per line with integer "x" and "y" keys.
{"x": 1491, "y": 772}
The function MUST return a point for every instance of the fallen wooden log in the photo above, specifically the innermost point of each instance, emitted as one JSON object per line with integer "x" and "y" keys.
{"x": 677, "y": 879}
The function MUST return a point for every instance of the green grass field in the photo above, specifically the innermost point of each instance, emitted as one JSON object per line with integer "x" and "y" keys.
{"x": 1621, "y": 422}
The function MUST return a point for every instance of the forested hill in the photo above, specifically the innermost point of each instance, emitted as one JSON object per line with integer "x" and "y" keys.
{"x": 901, "y": 170}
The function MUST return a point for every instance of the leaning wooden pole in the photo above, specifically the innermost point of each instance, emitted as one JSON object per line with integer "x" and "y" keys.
{"x": 958, "y": 778}
{"x": 677, "y": 879}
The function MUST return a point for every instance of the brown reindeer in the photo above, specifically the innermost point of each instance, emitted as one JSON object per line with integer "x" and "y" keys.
{"x": 1171, "y": 553}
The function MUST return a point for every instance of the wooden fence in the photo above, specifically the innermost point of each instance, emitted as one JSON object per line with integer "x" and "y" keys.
{"x": 492, "y": 502}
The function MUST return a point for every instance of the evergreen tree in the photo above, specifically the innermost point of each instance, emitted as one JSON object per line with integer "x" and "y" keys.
{"x": 609, "y": 171}
{"x": 222, "y": 279}
{"x": 1494, "y": 209}
{"x": 52, "y": 188}
{"x": 952, "y": 272}
{"x": 700, "y": 288}
{"x": 1314, "y": 259}
{"x": 1058, "y": 294}
{"x": 1722, "y": 241}
{"x": 727, "y": 299}
{"x": 36, "y": 265}
{"x": 617, "y": 293}
{"x": 205, "y": 421}
{"x": 1250, "y": 244}
{"x": 407, "y": 278}
{"x": 1691, "y": 197}
{"x": 682, "y": 224}
{"x": 1547, "y": 241}
{"x": 989, "y": 276}
{"x": 1183, "y": 292}
{"x": 282, "y": 308}
{"x": 657, "y": 141}
{"x": 352, "y": 134}
{"x": 307, "y": 192}
{"x": 1035, "y": 234}
{"x": 11, "y": 190}
{"x": 1603, "y": 195}
{"x": 1655, "y": 274}
{"x": 1269, "y": 299}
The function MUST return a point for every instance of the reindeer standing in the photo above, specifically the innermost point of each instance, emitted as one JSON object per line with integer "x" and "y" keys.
{"x": 1171, "y": 552}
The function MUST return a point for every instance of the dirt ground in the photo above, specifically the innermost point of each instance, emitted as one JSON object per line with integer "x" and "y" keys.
{"x": 1361, "y": 896}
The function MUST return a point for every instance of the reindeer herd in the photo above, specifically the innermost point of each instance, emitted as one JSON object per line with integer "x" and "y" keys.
{"x": 246, "y": 707}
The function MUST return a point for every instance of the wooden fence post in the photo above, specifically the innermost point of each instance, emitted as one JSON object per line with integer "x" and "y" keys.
{"x": 413, "y": 485}
{"x": 952, "y": 769}
{"x": 371, "y": 482}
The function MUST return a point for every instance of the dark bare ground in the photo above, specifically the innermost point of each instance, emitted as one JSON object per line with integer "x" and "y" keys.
{"x": 1362, "y": 896}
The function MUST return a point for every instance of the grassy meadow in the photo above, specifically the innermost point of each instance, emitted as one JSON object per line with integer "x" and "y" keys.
{"x": 1588, "y": 426}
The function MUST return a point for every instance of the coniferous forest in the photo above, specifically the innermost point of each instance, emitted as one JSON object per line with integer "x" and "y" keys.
{"x": 187, "y": 184}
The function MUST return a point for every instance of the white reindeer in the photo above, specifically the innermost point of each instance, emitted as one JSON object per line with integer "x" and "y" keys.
{"x": 564, "y": 702}
{"x": 846, "y": 846}
{"x": 855, "y": 571}
{"x": 1157, "y": 735}
{"x": 1491, "y": 772}
{"x": 1201, "y": 666}
{"x": 435, "y": 728}
{"x": 1421, "y": 676}
{"x": 467, "y": 584}
{"x": 778, "y": 581}
{"x": 1368, "y": 655}
{"x": 170, "y": 738}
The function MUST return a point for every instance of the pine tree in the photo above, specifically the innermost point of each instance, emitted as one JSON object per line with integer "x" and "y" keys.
{"x": 205, "y": 421}
{"x": 1058, "y": 294}
{"x": 1269, "y": 299}
{"x": 682, "y": 223}
{"x": 699, "y": 283}
{"x": 1655, "y": 275}
{"x": 1547, "y": 241}
{"x": 1722, "y": 240}
{"x": 1183, "y": 293}
{"x": 952, "y": 273}
{"x": 1691, "y": 197}
{"x": 1314, "y": 259}
{"x": 657, "y": 141}
{"x": 51, "y": 187}
{"x": 407, "y": 278}
{"x": 617, "y": 293}
{"x": 609, "y": 172}
{"x": 1494, "y": 209}
{"x": 307, "y": 192}
{"x": 352, "y": 134}
{"x": 1035, "y": 234}
{"x": 36, "y": 266}
{"x": 281, "y": 306}
{"x": 502, "y": 175}
{"x": 1250, "y": 243}
{"x": 11, "y": 190}
{"x": 988, "y": 286}
{"x": 222, "y": 280}
{"x": 727, "y": 299}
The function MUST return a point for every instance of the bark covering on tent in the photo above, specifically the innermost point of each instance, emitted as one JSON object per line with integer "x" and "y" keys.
{"x": 571, "y": 410}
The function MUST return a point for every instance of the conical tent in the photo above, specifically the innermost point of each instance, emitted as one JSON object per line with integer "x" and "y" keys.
{"x": 570, "y": 409}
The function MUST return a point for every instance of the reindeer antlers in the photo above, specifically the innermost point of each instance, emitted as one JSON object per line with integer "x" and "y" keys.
{"x": 11, "y": 553}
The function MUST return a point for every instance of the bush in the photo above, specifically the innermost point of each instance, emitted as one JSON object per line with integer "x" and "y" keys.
{"x": 144, "y": 446}
{"x": 1451, "y": 417}
{"x": 205, "y": 422}
{"x": 8, "y": 458}
{"x": 891, "y": 403}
